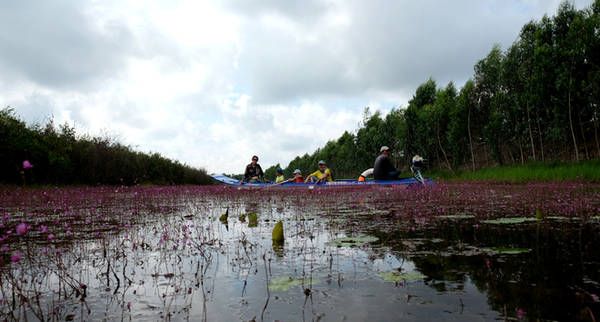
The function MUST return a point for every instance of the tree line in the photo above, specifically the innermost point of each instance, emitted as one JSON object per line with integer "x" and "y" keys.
{"x": 59, "y": 156}
{"x": 538, "y": 100}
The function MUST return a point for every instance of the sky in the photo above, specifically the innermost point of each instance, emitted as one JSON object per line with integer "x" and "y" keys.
{"x": 211, "y": 83}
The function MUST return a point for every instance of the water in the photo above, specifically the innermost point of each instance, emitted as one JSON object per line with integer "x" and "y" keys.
{"x": 163, "y": 254}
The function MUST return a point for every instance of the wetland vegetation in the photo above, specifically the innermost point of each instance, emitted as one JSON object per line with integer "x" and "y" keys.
{"x": 459, "y": 251}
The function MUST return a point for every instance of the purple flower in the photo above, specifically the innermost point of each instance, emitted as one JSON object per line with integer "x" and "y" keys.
{"x": 15, "y": 258}
{"x": 520, "y": 313}
{"x": 21, "y": 228}
{"x": 27, "y": 164}
{"x": 51, "y": 236}
{"x": 44, "y": 229}
{"x": 4, "y": 249}
{"x": 44, "y": 251}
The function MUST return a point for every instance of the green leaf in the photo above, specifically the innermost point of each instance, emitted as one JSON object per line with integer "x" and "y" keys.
{"x": 507, "y": 251}
{"x": 351, "y": 241}
{"x": 401, "y": 277}
{"x": 505, "y": 221}
{"x": 285, "y": 283}
{"x": 457, "y": 216}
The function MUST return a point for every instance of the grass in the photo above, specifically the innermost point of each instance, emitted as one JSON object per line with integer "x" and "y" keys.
{"x": 530, "y": 172}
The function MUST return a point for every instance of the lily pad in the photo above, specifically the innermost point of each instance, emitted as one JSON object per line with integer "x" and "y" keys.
{"x": 513, "y": 220}
{"x": 562, "y": 218}
{"x": 351, "y": 241}
{"x": 507, "y": 251}
{"x": 285, "y": 283}
{"x": 457, "y": 216}
{"x": 401, "y": 277}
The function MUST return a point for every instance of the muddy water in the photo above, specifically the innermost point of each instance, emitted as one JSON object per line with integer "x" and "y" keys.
{"x": 344, "y": 257}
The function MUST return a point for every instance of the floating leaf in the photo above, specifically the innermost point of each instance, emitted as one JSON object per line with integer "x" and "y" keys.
{"x": 513, "y": 220}
{"x": 351, "y": 241}
{"x": 242, "y": 218}
{"x": 507, "y": 251}
{"x": 457, "y": 216}
{"x": 285, "y": 283}
{"x": 562, "y": 218}
{"x": 401, "y": 277}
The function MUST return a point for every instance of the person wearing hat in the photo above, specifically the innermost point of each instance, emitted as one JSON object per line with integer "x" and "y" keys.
{"x": 297, "y": 178}
{"x": 383, "y": 168}
{"x": 321, "y": 175}
{"x": 254, "y": 172}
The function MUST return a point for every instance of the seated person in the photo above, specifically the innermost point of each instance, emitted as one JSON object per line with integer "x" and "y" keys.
{"x": 363, "y": 176}
{"x": 254, "y": 172}
{"x": 321, "y": 175}
{"x": 279, "y": 179}
{"x": 298, "y": 176}
{"x": 383, "y": 168}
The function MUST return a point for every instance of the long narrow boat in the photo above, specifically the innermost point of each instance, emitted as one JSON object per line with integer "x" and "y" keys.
{"x": 340, "y": 182}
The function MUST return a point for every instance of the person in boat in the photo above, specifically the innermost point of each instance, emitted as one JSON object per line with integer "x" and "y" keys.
{"x": 383, "y": 168}
{"x": 321, "y": 175}
{"x": 254, "y": 172}
{"x": 297, "y": 178}
{"x": 363, "y": 176}
{"x": 279, "y": 179}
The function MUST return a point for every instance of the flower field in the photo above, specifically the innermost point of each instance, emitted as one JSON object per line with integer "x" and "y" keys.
{"x": 460, "y": 250}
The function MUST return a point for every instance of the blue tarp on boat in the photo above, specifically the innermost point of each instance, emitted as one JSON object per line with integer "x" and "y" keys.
{"x": 341, "y": 182}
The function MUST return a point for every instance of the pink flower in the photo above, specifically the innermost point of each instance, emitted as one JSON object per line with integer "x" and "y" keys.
{"x": 51, "y": 236}
{"x": 4, "y": 249}
{"x": 44, "y": 229}
{"x": 21, "y": 228}
{"x": 44, "y": 251}
{"x": 129, "y": 305}
{"x": 27, "y": 164}
{"x": 520, "y": 313}
{"x": 15, "y": 258}
{"x": 96, "y": 234}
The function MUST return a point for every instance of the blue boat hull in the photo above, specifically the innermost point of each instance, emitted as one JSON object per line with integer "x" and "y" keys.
{"x": 341, "y": 182}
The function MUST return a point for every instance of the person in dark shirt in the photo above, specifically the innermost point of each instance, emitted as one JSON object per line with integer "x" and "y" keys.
{"x": 383, "y": 168}
{"x": 254, "y": 172}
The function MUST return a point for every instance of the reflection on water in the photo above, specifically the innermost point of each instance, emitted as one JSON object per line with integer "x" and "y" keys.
{"x": 349, "y": 254}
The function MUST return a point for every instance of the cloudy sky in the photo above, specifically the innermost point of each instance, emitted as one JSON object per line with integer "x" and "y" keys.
{"x": 210, "y": 83}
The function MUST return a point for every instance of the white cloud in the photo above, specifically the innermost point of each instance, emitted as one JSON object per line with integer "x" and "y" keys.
{"x": 213, "y": 83}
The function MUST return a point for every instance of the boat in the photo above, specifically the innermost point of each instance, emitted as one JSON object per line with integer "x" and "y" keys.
{"x": 340, "y": 182}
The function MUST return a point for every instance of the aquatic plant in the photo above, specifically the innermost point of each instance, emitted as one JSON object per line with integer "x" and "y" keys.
{"x": 160, "y": 245}
{"x": 277, "y": 233}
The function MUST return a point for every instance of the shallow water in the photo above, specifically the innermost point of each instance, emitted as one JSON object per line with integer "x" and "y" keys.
{"x": 164, "y": 253}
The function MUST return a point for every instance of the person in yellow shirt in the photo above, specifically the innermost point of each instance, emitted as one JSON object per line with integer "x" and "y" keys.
{"x": 279, "y": 176}
{"x": 321, "y": 175}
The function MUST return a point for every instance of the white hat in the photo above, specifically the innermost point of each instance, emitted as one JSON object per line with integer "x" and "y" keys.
{"x": 384, "y": 148}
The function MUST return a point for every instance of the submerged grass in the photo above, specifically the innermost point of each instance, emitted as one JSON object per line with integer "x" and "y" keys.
{"x": 530, "y": 172}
